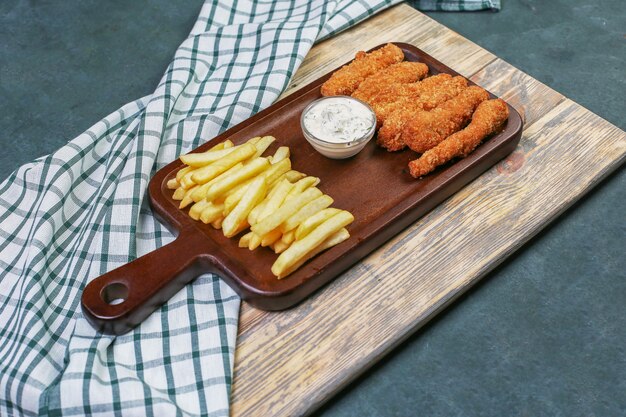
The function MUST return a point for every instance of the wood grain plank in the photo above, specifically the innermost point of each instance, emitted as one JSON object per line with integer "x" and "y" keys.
{"x": 531, "y": 98}
{"x": 288, "y": 363}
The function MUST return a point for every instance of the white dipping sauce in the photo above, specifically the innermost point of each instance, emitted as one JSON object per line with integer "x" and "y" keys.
{"x": 339, "y": 120}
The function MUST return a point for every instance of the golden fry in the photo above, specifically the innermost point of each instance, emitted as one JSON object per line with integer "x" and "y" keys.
{"x": 288, "y": 237}
{"x": 245, "y": 240}
{"x": 287, "y": 209}
{"x": 255, "y": 241}
{"x": 315, "y": 220}
{"x": 302, "y": 185}
{"x": 280, "y": 154}
{"x": 196, "y": 210}
{"x": 277, "y": 169}
{"x": 187, "y": 197}
{"x": 272, "y": 237}
{"x": 181, "y": 172}
{"x": 219, "y": 146}
{"x": 211, "y": 213}
{"x": 333, "y": 240}
{"x": 201, "y": 192}
{"x": 306, "y": 211}
{"x": 254, "y": 214}
{"x": 207, "y": 173}
{"x": 254, "y": 140}
{"x": 274, "y": 200}
{"x": 238, "y": 216}
{"x": 262, "y": 145}
{"x": 272, "y": 174}
{"x": 280, "y": 246}
{"x": 246, "y": 172}
{"x": 198, "y": 160}
{"x": 294, "y": 176}
{"x": 179, "y": 193}
{"x": 186, "y": 181}
{"x": 172, "y": 184}
{"x": 301, "y": 248}
{"x": 217, "y": 224}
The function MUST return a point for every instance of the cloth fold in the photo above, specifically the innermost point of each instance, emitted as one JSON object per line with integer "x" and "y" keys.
{"x": 71, "y": 216}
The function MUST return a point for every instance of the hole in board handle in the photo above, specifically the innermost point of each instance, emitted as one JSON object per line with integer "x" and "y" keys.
{"x": 114, "y": 293}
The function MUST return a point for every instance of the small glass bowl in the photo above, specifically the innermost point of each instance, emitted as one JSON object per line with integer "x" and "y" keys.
{"x": 338, "y": 150}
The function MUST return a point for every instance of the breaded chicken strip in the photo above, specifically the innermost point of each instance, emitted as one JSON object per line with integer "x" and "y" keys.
{"x": 487, "y": 119}
{"x": 432, "y": 92}
{"x": 424, "y": 95}
{"x": 409, "y": 91}
{"x": 428, "y": 128}
{"x": 400, "y": 73}
{"x": 346, "y": 80}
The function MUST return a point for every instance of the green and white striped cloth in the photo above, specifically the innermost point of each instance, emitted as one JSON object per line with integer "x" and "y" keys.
{"x": 71, "y": 216}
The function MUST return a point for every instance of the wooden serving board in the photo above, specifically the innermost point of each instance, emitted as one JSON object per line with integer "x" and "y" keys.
{"x": 289, "y": 363}
{"x": 374, "y": 186}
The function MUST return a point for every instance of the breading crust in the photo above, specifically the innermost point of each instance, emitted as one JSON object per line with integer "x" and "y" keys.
{"x": 394, "y": 115}
{"x": 400, "y": 73}
{"x": 487, "y": 119}
{"x": 346, "y": 80}
{"x": 427, "y": 129}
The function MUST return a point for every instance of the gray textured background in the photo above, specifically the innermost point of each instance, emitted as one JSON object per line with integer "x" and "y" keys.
{"x": 544, "y": 334}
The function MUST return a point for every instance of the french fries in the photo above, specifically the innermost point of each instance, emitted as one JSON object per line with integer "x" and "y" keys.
{"x": 302, "y": 185}
{"x": 280, "y": 154}
{"x": 263, "y": 144}
{"x": 272, "y": 174}
{"x": 333, "y": 240}
{"x": 305, "y": 212}
{"x": 197, "y": 160}
{"x": 255, "y": 241}
{"x": 254, "y": 194}
{"x": 315, "y": 220}
{"x": 208, "y": 172}
{"x": 285, "y": 211}
{"x": 246, "y": 172}
{"x": 274, "y": 200}
{"x": 181, "y": 173}
{"x": 211, "y": 213}
{"x": 271, "y": 238}
{"x": 293, "y": 176}
{"x": 172, "y": 184}
{"x": 196, "y": 210}
{"x": 301, "y": 248}
{"x": 179, "y": 193}
{"x": 235, "y": 188}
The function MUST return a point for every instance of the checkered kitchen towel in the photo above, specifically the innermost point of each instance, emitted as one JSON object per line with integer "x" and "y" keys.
{"x": 71, "y": 216}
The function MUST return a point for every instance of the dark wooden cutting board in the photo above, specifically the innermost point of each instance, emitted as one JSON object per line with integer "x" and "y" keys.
{"x": 374, "y": 185}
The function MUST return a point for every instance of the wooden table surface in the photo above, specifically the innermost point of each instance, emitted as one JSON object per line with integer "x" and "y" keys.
{"x": 288, "y": 363}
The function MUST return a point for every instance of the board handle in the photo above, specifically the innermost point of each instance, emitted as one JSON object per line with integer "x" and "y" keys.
{"x": 119, "y": 300}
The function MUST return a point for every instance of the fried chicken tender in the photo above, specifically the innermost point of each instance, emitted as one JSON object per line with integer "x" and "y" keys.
{"x": 424, "y": 95}
{"x": 413, "y": 99}
{"x": 346, "y": 80}
{"x": 487, "y": 119}
{"x": 412, "y": 91}
{"x": 428, "y": 128}
{"x": 402, "y": 72}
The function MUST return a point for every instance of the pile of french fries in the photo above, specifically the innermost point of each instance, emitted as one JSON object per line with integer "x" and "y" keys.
{"x": 234, "y": 188}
